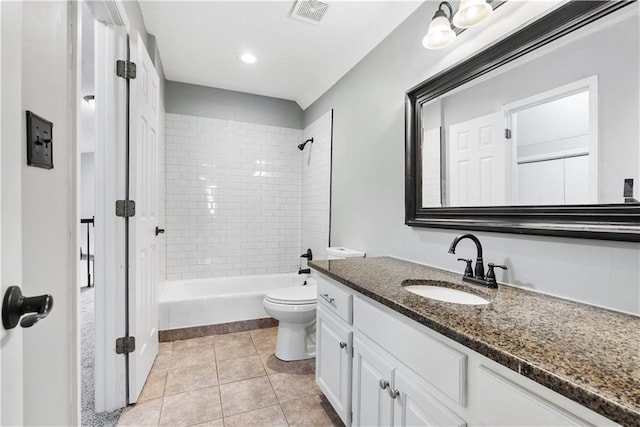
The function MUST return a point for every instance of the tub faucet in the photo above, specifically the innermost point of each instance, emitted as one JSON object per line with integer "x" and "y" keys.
{"x": 304, "y": 271}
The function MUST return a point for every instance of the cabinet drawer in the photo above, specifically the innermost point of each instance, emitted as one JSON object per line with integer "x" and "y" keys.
{"x": 336, "y": 299}
{"x": 440, "y": 365}
{"x": 502, "y": 402}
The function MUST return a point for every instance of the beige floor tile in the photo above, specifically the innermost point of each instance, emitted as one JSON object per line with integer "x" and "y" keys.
{"x": 240, "y": 368}
{"x": 310, "y": 411}
{"x": 163, "y": 361}
{"x": 214, "y": 423}
{"x": 264, "y": 339}
{"x": 270, "y": 416}
{"x": 191, "y": 378}
{"x": 273, "y": 365}
{"x": 142, "y": 414}
{"x": 247, "y": 395}
{"x": 154, "y": 386}
{"x": 294, "y": 386}
{"x": 193, "y": 342}
{"x": 165, "y": 347}
{"x": 237, "y": 344}
{"x": 192, "y": 356}
{"x": 192, "y": 407}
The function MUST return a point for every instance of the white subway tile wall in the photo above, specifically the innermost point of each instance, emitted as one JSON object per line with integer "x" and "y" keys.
{"x": 316, "y": 186}
{"x": 233, "y": 195}
{"x": 161, "y": 247}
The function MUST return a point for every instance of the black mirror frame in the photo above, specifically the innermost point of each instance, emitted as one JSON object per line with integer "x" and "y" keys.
{"x": 605, "y": 222}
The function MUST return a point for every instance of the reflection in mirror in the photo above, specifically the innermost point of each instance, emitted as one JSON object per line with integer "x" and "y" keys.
{"x": 558, "y": 126}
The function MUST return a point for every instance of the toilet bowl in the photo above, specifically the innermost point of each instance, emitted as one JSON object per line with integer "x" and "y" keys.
{"x": 295, "y": 310}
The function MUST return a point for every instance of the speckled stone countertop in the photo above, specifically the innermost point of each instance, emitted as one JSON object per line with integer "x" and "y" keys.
{"x": 588, "y": 354}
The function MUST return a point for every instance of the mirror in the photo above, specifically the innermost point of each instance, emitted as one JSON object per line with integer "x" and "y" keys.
{"x": 537, "y": 134}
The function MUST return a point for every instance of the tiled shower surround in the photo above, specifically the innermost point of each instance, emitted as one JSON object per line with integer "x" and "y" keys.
{"x": 233, "y": 198}
{"x": 316, "y": 181}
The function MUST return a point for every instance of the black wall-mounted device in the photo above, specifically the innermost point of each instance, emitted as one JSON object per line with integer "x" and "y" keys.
{"x": 39, "y": 141}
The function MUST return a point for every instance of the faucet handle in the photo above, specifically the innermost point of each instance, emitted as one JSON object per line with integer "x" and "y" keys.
{"x": 491, "y": 275}
{"x": 468, "y": 271}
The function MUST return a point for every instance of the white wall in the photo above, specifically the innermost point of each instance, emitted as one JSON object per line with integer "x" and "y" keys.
{"x": 316, "y": 187}
{"x": 87, "y": 185}
{"x": 368, "y": 174}
{"x": 233, "y": 198}
{"x": 49, "y": 217}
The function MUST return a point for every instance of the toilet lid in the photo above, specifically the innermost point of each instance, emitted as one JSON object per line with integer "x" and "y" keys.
{"x": 294, "y": 295}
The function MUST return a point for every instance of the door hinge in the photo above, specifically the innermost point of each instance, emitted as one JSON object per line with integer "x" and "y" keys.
{"x": 507, "y": 133}
{"x": 125, "y": 208}
{"x": 351, "y": 417}
{"x": 125, "y": 345}
{"x": 352, "y": 352}
{"x": 125, "y": 69}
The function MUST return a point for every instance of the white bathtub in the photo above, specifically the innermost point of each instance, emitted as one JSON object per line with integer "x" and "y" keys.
{"x": 199, "y": 302}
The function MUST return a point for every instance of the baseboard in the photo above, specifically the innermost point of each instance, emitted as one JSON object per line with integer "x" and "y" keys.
{"x": 222, "y": 328}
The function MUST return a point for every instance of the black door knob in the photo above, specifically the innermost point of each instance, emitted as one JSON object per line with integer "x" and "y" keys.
{"x": 159, "y": 230}
{"x": 15, "y": 305}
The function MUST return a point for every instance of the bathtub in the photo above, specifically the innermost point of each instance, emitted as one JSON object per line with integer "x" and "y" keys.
{"x": 199, "y": 302}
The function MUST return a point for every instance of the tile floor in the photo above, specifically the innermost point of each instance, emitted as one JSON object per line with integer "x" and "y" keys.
{"x": 230, "y": 380}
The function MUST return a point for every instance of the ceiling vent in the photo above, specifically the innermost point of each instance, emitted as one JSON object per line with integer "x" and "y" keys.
{"x": 309, "y": 11}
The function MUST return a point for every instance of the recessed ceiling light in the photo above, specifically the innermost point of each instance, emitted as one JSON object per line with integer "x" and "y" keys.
{"x": 249, "y": 58}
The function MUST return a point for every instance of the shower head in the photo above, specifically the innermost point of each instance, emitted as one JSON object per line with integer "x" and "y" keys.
{"x": 301, "y": 146}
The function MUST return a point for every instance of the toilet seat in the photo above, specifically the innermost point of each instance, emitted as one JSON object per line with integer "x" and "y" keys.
{"x": 297, "y": 295}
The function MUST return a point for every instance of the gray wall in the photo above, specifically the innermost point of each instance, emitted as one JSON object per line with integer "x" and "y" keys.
{"x": 203, "y": 101}
{"x": 368, "y": 175}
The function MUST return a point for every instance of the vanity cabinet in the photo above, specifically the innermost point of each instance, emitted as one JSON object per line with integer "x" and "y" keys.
{"x": 334, "y": 346}
{"x": 380, "y": 368}
{"x": 386, "y": 392}
{"x": 333, "y": 361}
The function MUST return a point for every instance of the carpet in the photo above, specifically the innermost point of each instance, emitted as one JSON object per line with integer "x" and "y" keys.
{"x": 87, "y": 358}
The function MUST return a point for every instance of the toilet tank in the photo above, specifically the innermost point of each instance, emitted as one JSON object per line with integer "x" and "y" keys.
{"x": 341, "y": 253}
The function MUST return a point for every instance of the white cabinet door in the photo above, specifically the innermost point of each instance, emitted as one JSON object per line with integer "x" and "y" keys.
{"x": 414, "y": 406}
{"x": 372, "y": 381}
{"x": 502, "y": 402}
{"x": 333, "y": 362}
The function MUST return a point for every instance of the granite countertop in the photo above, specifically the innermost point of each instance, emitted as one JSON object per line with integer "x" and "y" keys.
{"x": 588, "y": 354}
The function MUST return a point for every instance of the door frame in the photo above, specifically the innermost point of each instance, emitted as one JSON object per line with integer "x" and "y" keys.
{"x": 590, "y": 84}
{"x": 110, "y": 371}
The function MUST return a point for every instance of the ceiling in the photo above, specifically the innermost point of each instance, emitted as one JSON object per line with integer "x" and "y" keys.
{"x": 199, "y": 43}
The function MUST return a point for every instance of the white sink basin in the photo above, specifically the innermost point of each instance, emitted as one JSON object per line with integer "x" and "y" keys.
{"x": 446, "y": 294}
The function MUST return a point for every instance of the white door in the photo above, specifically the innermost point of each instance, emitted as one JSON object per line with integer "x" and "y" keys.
{"x": 110, "y": 158}
{"x": 11, "y": 354}
{"x": 333, "y": 362}
{"x": 478, "y": 164}
{"x": 372, "y": 379}
{"x": 143, "y": 167}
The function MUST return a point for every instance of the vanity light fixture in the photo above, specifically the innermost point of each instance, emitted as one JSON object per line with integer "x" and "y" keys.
{"x": 471, "y": 12}
{"x": 441, "y": 33}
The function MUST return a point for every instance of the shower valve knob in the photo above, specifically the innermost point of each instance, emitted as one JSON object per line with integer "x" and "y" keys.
{"x": 159, "y": 230}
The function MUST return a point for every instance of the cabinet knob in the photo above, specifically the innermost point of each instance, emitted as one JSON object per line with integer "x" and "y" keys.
{"x": 393, "y": 393}
{"x": 343, "y": 344}
{"x": 384, "y": 384}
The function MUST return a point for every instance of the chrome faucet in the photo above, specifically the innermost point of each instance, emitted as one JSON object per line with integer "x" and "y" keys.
{"x": 476, "y": 275}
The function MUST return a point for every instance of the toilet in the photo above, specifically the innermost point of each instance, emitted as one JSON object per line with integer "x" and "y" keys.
{"x": 295, "y": 309}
